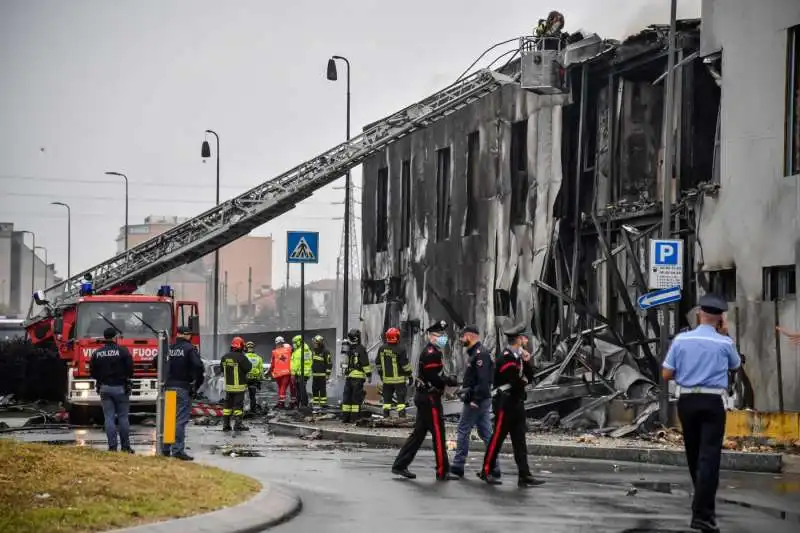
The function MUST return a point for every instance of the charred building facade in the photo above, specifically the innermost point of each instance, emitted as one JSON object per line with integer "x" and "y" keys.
{"x": 536, "y": 203}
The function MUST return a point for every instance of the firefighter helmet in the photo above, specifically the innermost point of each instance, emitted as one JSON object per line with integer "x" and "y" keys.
{"x": 354, "y": 336}
{"x": 279, "y": 340}
{"x": 250, "y": 345}
{"x": 296, "y": 340}
{"x": 392, "y": 335}
{"x": 319, "y": 340}
{"x": 237, "y": 343}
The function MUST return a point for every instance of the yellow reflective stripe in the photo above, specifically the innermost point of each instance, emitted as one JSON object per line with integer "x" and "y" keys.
{"x": 226, "y": 412}
{"x": 387, "y": 406}
{"x": 407, "y": 368}
{"x": 401, "y": 407}
{"x": 394, "y": 380}
{"x": 394, "y": 367}
{"x": 367, "y": 368}
{"x": 357, "y": 374}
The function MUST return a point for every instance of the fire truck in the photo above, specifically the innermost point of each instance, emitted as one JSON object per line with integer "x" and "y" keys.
{"x": 66, "y": 315}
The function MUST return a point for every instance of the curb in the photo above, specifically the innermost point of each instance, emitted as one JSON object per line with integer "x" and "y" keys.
{"x": 267, "y": 509}
{"x": 743, "y": 461}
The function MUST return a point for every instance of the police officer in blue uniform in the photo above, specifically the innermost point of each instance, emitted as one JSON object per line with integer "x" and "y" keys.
{"x": 111, "y": 366}
{"x": 477, "y": 397}
{"x": 699, "y": 362}
{"x": 185, "y": 372}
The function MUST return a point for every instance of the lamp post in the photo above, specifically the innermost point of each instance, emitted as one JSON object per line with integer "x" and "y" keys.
{"x": 33, "y": 260}
{"x": 332, "y": 75}
{"x": 205, "y": 152}
{"x": 69, "y": 237}
{"x": 123, "y": 176}
{"x": 46, "y": 262}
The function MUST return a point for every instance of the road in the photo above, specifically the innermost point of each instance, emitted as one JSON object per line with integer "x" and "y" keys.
{"x": 350, "y": 489}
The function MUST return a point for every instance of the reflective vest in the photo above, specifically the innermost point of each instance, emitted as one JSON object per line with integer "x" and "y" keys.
{"x": 306, "y": 361}
{"x": 257, "y": 372}
{"x": 281, "y": 361}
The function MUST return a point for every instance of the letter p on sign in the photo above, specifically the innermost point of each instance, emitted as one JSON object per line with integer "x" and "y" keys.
{"x": 666, "y": 253}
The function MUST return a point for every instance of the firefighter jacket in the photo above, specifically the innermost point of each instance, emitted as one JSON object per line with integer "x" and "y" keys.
{"x": 358, "y": 366}
{"x": 306, "y": 361}
{"x": 478, "y": 377}
{"x": 321, "y": 363}
{"x": 235, "y": 366}
{"x": 281, "y": 361}
{"x": 510, "y": 370}
{"x": 257, "y": 371}
{"x": 184, "y": 367}
{"x": 392, "y": 364}
{"x": 111, "y": 365}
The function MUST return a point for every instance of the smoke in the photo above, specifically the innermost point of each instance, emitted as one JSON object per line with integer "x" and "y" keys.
{"x": 617, "y": 19}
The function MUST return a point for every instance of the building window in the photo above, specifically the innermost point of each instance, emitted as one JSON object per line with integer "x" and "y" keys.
{"x": 382, "y": 223}
{"x": 473, "y": 147}
{"x": 519, "y": 171}
{"x": 723, "y": 283}
{"x": 443, "y": 194}
{"x": 793, "y": 103}
{"x": 779, "y": 282}
{"x": 405, "y": 178}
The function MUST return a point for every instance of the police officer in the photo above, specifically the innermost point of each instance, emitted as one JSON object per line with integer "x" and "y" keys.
{"x": 356, "y": 372}
{"x": 699, "y": 361}
{"x": 235, "y": 366}
{"x": 513, "y": 372}
{"x": 394, "y": 370}
{"x": 431, "y": 382}
{"x": 477, "y": 397}
{"x": 255, "y": 376}
{"x": 321, "y": 367}
{"x": 111, "y": 366}
{"x": 185, "y": 373}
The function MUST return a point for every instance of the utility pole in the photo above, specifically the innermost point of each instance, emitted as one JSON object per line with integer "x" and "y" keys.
{"x": 205, "y": 152}
{"x": 666, "y": 182}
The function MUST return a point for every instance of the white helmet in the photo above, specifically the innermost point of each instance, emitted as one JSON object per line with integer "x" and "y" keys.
{"x": 279, "y": 340}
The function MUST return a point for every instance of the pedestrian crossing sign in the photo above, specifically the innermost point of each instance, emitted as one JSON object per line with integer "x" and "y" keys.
{"x": 302, "y": 247}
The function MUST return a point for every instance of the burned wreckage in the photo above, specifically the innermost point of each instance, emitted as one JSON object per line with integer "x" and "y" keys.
{"x": 535, "y": 205}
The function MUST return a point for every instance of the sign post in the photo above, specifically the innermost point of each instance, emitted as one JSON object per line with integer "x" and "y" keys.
{"x": 302, "y": 247}
{"x": 163, "y": 347}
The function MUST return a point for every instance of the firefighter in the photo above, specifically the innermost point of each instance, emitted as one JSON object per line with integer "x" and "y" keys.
{"x": 255, "y": 376}
{"x": 513, "y": 371}
{"x": 282, "y": 370}
{"x": 301, "y": 375}
{"x": 111, "y": 366}
{"x": 431, "y": 382}
{"x": 320, "y": 372}
{"x": 235, "y": 366}
{"x": 185, "y": 373}
{"x": 357, "y": 370}
{"x": 394, "y": 369}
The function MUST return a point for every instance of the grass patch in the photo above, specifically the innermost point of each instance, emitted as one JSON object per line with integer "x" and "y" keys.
{"x": 65, "y": 489}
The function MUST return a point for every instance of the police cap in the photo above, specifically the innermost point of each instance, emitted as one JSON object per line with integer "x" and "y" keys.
{"x": 470, "y": 329}
{"x": 184, "y": 330}
{"x": 437, "y": 327}
{"x": 109, "y": 333}
{"x": 515, "y": 330}
{"x": 713, "y": 304}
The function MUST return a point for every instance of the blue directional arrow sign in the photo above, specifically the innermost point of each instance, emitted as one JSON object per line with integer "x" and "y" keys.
{"x": 659, "y": 297}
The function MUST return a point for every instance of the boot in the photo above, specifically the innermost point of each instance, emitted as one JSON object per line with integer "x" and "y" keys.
{"x": 386, "y": 413}
{"x": 404, "y": 473}
{"x": 527, "y": 480}
{"x": 447, "y": 477}
{"x": 239, "y": 426}
{"x": 280, "y": 405}
{"x": 401, "y": 414}
{"x": 706, "y": 526}
{"x": 490, "y": 479}
{"x": 346, "y": 418}
{"x": 226, "y": 423}
{"x": 183, "y": 456}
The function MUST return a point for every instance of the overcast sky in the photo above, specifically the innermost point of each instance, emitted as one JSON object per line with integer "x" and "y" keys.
{"x": 90, "y": 86}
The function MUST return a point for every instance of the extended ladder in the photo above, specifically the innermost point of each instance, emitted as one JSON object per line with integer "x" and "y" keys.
{"x": 237, "y": 217}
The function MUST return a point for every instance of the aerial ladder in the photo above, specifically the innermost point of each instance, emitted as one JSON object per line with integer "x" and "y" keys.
{"x": 126, "y": 272}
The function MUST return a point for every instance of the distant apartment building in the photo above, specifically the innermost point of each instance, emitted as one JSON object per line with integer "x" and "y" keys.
{"x": 245, "y": 270}
{"x": 15, "y": 271}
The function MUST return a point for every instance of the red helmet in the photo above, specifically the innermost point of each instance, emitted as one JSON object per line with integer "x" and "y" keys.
{"x": 237, "y": 343}
{"x": 392, "y": 335}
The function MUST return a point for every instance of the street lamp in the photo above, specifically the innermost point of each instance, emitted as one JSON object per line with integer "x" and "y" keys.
{"x": 332, "y": 76}
{"x": 33, "y": 260}
{"x": 123, "y": 176}
{"x": 205, "y": 152}
{"x": 69, "y": 237}
{"x": 46, "y": 262}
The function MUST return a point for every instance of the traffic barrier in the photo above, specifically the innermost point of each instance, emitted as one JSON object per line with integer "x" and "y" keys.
{"x": 206, "y": 409}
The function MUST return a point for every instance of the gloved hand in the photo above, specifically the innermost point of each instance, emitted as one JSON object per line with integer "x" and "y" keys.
{"x": 410, "y": 380}
{"x": 128, "y": 387}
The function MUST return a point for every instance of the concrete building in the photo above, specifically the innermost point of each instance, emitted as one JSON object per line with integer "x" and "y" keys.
{"x": 750, "y": 231}
{"x": 15, "y": 271}
{"x": 245, "y": 269}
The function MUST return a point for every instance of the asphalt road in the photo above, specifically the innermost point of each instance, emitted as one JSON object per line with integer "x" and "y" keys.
{"x": 351, "y": 489}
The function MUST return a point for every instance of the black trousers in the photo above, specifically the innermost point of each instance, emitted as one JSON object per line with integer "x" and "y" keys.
{"x": 233, "y": 406}
{"x": 703, "y": 420}
{"x": 252, "y": 387}
{"x": 396, "y": 390}
{"x": 352, "y": 396}
{"x": 509, "y": 420}
{"x": 302, "y": 390}
{"x": 319, "y": 390}
{"x": 430, "y": 418}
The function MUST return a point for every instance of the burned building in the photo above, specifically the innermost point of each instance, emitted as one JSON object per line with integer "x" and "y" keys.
{"x": 536, "y": 203}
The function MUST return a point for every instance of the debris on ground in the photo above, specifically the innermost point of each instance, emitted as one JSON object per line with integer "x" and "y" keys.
{"x": 374, "y": 422}
{"x": 316, "y": 435}
{"x": 633, "y": 491}
{"x": 237, "y": 451}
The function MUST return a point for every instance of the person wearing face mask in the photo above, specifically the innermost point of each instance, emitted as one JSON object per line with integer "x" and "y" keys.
{"x": 513, "y": 372}
{"x": 477, "y": 396}
{"x": 431, "y": 382}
